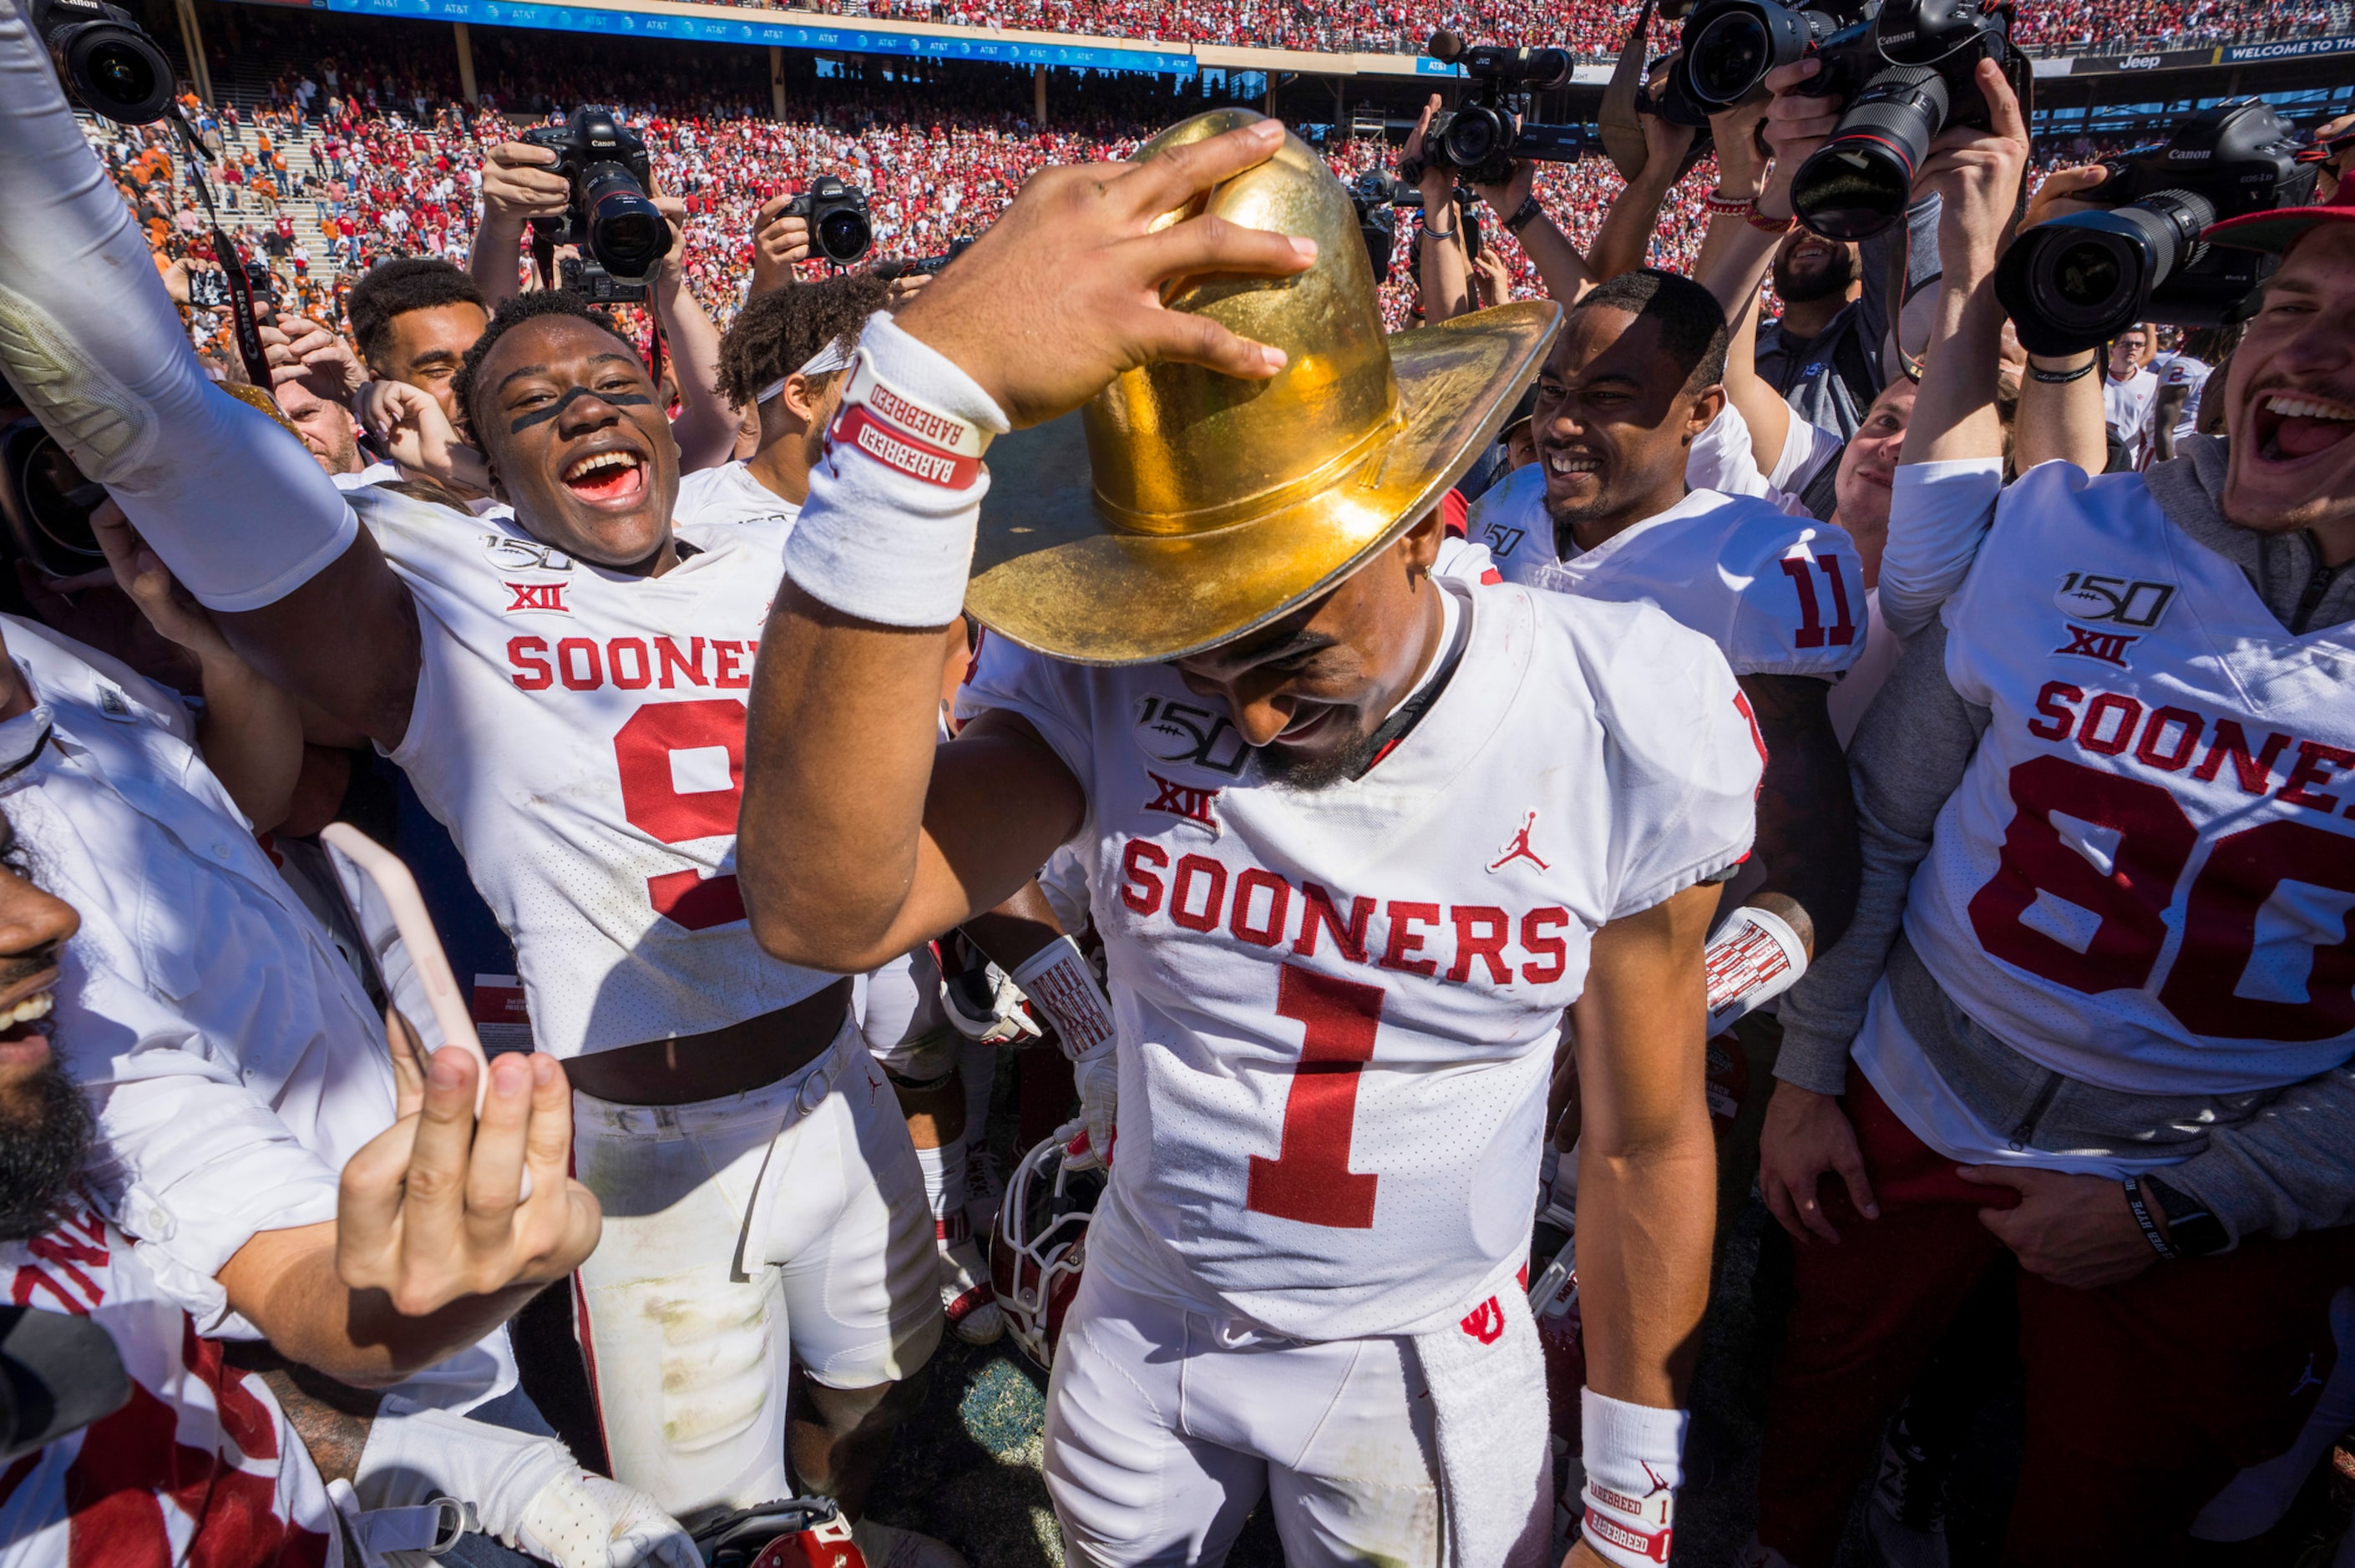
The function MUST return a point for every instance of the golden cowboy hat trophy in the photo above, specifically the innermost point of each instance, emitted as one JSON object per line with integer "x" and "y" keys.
{"x": 1181, "y": 507}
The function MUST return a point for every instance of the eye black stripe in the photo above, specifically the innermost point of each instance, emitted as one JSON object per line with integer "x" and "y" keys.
{"x": 619, "y": 399}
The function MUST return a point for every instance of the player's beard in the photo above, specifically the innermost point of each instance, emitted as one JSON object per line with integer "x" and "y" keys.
{"x": 1305, "y": 773}
{"x": 45, "y": 1134}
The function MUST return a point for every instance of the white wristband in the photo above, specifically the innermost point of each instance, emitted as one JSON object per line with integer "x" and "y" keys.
{"x": 1059, "y": 980}
{"x": 886, "y": 534}
{"x": 1755, "y": 956}
{"x": 1634, "y": 1455}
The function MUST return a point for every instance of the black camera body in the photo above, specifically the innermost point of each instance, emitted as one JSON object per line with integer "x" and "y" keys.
{"x": 208, "y": 289}
{"x": 1906, "y": 74}
{"x": 579, "y": 275}
{"x": 610, "y": 218}
{"x": 107, "y": 58}
{"x": 1483, "y": 137}
{"x": 1731, "y": 45}
{"x": 2078, "y": 281}
{"x": 1377, "y": 197}
{"x": 840, "y": 229}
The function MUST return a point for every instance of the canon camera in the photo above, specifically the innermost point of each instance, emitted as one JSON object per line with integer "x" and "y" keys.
{"x": 836, "y": 215}
{"x": 106, "y": 57}
{"x": 610, "y": 216}
{"x": 2078, "y": 281}
{"x": 1905, "y": 75}
{"x": 1731, "y": 45}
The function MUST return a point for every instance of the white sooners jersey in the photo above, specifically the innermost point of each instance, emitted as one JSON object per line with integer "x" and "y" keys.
{"x": 581, "y": 736}
{"x": 1336, "y": 1010}
{"x": 729, "y": 494}
{"x": 1778, "y": 595}
{"x": 200, "y": 1469}
{"x": 2144, "y": 879}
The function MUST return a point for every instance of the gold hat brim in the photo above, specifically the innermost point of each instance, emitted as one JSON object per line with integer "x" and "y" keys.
{"x": 1050, "y": 574}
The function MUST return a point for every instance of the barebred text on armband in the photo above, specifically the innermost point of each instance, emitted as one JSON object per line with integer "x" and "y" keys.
{"x": 1634, "y": 1462}
{"x": 1059, "y": 980}
{"x": 1755, "y": 956}
{"x": 886, "y": 534}
{"x": 894, "y": 429}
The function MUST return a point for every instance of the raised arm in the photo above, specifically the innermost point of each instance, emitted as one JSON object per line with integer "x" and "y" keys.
{"x": 705, "y": 427}
{"x": 1445, "y": 277}
{"x": 1734, "y": 259}
{"x": 519, "y": 183}
{"x": 1625, "y": 237}
{"x": 228, "y": 499}
{"x": 1519, "y": 213}
{"x": 859, "y": 835}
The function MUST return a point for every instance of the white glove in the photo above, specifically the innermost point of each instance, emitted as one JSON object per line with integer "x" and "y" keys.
{"x": 1098, "y": 1073}
{"x": 583, "y": 1520}
{"x": 527, "y": 1492}
{"x": 1003, "y": 1021}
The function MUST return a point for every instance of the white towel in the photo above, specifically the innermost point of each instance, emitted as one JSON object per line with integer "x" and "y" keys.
{"x": 1487, "y": 1378}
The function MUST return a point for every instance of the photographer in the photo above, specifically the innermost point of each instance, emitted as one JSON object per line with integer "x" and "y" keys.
{"x": 519, "y": 185}
{"x": 2052, "y": 1031}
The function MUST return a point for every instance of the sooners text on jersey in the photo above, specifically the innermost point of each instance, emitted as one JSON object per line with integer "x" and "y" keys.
{"x": 2144, "y": 880}
{"x": 582, "y": 734}
{"x": 1336, "y": 1010}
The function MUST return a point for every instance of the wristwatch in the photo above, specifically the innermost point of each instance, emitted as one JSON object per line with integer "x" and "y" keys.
{"x": 2190, "y": 1228}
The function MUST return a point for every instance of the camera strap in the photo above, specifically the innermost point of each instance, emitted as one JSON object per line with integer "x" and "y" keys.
{"x": 244, "y": 325}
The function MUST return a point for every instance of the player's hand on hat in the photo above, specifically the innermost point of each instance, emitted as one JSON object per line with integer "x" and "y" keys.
{"x": 432, "y": 1210}
{"x": 519, "y": 181}
{"x": 1065, "y": 290}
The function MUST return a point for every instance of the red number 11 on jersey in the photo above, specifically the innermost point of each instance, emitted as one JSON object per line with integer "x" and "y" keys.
{"x": 1310, "y": 1180}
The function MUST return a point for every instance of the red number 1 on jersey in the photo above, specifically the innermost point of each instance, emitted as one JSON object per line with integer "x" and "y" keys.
{"x": 654, "y": 803}
{"x": 1310, "y": 1180}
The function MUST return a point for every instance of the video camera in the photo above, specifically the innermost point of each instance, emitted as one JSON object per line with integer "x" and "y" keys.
{"x": 107, "y": 58}
{"x": 1731, "y": 45}
{"x": 1485, "y": 138}
{"x": 1377, "y": 197}
{"x": 923, "y": 266}
{"x": 837, "y": 216}
{"x": 1906, "y": 74}
{"x": 2078, "y": 281}
{"x": 610, "y": 218}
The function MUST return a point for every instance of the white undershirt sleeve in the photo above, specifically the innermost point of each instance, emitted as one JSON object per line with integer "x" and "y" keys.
{"x": 236, "y": 505}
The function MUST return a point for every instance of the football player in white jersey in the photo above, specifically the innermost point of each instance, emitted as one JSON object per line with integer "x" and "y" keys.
{"x": 1355, "y": 838}
{"x": 562, "y": 687}
{"x": 784, "y": 356}
{"x": 2094, "y": 1008}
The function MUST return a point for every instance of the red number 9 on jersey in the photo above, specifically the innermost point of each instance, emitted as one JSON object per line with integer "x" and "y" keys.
{"x": 682, "y": 767}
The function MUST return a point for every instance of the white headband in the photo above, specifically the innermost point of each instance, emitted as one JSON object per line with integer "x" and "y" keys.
{"x": 834, "y": 356}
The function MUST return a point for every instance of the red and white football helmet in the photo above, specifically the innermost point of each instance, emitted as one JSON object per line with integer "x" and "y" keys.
{"x": 1038, "y": 1245}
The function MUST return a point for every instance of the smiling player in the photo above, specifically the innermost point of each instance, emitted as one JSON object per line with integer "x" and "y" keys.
{"x": 566, "y": 690}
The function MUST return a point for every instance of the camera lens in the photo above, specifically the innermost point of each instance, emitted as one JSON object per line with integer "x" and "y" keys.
{"x": 2078, "y": 281}
{"x": 56, "y": 502}
{"x": 1729, "y": 56}
{"x": 118, "y": 72}
{"x": 1477, "y": 133}
{"x": 844, "y": 236}
{"x": 1858, "y": 183}
{"x": 626, "y": 234}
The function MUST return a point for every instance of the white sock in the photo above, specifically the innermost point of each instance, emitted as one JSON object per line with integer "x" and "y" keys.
{"x": 943, "y": 1170}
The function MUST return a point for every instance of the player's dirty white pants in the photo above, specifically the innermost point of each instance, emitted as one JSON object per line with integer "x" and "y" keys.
{"x": 1164, "y": 1426}
{"x": 790, "y": 1216}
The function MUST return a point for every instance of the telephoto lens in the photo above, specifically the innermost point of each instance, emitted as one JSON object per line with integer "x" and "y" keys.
{"x": 110, "y": 63}
{"x": 627, "y": 233}
{"x": 1858, "y": 183}
{"x": 1729, "y": 47}
{"x": 2082, "y": 280}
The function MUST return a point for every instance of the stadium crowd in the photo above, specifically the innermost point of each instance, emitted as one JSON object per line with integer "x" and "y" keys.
{"x": 584, "y": 890}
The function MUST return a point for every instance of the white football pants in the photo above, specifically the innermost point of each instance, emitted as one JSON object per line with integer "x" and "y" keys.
{"x": 788, "y": 1219}
{"x": 1164, "y": 1426}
